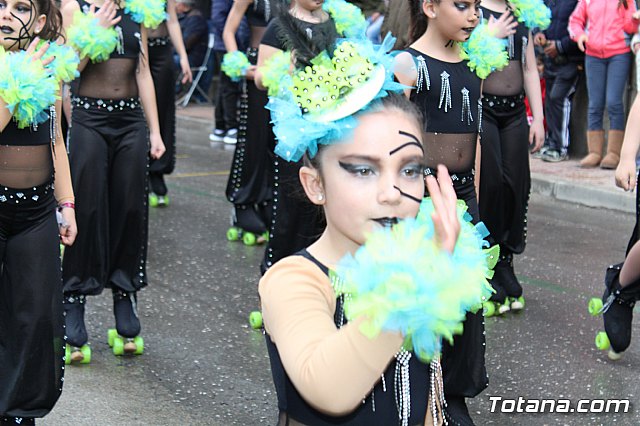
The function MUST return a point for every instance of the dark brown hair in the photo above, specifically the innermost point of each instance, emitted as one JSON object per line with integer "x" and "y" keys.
{"x": 52, "y": 29}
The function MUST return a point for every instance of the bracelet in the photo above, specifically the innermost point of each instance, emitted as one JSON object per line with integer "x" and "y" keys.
{"x": 67, "y": 204}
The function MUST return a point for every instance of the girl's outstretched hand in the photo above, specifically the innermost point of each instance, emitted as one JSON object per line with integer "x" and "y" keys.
{"x": 445, "y": 216}
{"x": 157, "y": 146}
{"x": 504, "y": 26}
{"x": 626, "y": 174}
{"x": 107, "y": 14}
{"x": 68, "y": 229}
{"x": 37, "y": 53}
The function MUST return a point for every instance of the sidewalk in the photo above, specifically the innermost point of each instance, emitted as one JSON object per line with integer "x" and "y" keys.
{"x": 563, "y": 181}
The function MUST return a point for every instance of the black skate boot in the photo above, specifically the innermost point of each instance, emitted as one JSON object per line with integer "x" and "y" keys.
{"x": 616, "y": 307}
{"x": 124, "y": 338}
{"x": 505, "y": 274}
{"x": 247, "y": 226}
{"x": 158, "y": 195}
{"x": 77, "y": 349}
{"x": 497, "y": 303}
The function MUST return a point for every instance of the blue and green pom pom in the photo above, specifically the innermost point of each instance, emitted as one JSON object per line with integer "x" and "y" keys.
{"x": 90, "y": 39}
{"x": 533, "y": 13}
{"x": 235, "y": 65}
{"x": 273, "y": 69}
{"x": 65, "y": 64}
{"x": 485, "y": 52}
{"x": 349, "y": 20}
{"x": 26, "y": 87}
{"x": 149, "y": 13}
{"x": 401, "y": 281}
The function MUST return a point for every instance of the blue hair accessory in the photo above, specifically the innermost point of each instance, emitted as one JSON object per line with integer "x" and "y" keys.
{"x": 149, "y": 13}
{"x": 316, "y": 105}
{"x": 401, "y": 281}
{"x": 533, "y": 13}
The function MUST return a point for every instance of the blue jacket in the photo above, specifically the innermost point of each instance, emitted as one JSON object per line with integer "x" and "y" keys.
{"x": 219, "y": 12}
{"x": 558, "y": 30}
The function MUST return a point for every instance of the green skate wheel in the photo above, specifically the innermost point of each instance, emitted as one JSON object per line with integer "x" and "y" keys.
{"x": 233, "y": 234}
{"x": 112, "y": 333}
{"x": 153, "y": 200}
{"x": 249, "y": 239}
{"x": 255, "y": 320}
{"x": 118, "y": 346}
{"x": 602, "y": 341}
{"x": 595, "y": 306}
{"x": 516, "y": 303}
{"x": 489, "y": 309}
{"x": 67, "y": 355}
{"x": 163, "y": 201}
{"x": 139, "y": 342}
{"x": 86, "y": 353}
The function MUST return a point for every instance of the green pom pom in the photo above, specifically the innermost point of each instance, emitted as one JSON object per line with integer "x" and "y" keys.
{"x": 235, "y": 65}
{"x": 484, "y": 52}
{"x": 273, "y": 70}
{"x": 26, "y": 87}
{"x": 533, "y": 13}
{"x": 149, "y": 13}
{"x": 90, "y": 39}
{"x": 349, "y": 20}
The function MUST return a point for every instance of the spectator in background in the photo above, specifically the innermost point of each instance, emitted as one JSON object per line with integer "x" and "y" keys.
{"x": 195, "y": 31}
{"x": 228, "y": 92}
{"x": 562, "y": 59}
{"x": 607, "y": 63}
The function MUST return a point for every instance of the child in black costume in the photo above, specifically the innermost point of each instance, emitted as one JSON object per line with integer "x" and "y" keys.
{"x": 109, "y": 148}
{"x": 33, "y": 161}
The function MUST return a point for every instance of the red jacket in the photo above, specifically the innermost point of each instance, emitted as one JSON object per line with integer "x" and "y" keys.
{"x": 605, "y": 22}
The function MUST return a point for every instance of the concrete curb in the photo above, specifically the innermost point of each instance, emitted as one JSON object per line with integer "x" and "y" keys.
{"x": 547, "y": 185}
{"x": 572, "y": 192}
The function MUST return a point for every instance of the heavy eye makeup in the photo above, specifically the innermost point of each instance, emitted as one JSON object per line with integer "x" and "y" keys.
{"x": 357, "y": 169}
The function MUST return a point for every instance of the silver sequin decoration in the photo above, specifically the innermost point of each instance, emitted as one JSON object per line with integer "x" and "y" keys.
{"x": 466, "y": 106}
{"x": 445, "y": 91}
{"x": 437, "y": 391}
{"x": 53, "y": 124}
{"x": 423, "y": 74}
{"x": 120, "y": 46}
{"x": 402, "y": 386}
{"x": 525, "y": 43}
{"x": 511, "y": 47}
{"x": 480, "y": 115}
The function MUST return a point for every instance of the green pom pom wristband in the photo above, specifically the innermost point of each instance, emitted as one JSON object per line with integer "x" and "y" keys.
{"x": 235, "y": 65}
{"x": 90, "y": 39}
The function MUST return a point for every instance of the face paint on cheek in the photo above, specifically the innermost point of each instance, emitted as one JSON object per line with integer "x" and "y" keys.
{"x": 409, "y": 196}
{"x": 24, "y": 38}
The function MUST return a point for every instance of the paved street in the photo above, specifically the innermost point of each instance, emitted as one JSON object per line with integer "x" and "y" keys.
{"x": 203, "y": 365}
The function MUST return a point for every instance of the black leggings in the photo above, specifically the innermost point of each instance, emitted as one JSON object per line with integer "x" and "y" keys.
{"x": 31, "y": 317}
{"x": 164, "y": 79}
{"x": 108, "y": 152}
{"x": 505, "y": 178}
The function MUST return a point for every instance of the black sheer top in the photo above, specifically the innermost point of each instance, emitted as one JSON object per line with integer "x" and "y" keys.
{"x": 25, "y": 155}
{"x": 114, "y": 78}
{"x": 448, "y": 94}
{"x": 377, "y": 408}
{"x": 509, "y": 81}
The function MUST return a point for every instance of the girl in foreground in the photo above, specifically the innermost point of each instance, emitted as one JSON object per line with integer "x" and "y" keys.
{"x": 32, "y": 152}
{"x": 324, "y": 373}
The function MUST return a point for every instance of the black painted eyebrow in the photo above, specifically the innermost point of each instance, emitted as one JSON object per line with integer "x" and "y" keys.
{"x": 415, "y": 142}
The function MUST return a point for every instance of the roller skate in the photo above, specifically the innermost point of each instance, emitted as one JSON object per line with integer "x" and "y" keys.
{"x": 158, "y": 196}
{"x": 76, "y": 349}
{"x": 247, "y": 226}
{"x": 23, "y": 421}
{"x": 255, "y": 320}
{"x": 616, "y": 307}
{"x": 125, "y": 339}
{"x": 497, "y": 303}
{"x": 507, "y": 277}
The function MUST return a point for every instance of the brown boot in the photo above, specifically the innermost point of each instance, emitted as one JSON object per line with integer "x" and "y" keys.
{"x": 614, "y": 145}
{"x": 595, "y": 142}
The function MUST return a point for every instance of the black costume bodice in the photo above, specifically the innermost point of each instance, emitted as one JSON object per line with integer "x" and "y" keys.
{"x": 510, "y": 80}
{"x": 448, "y": 94}
{"x": 29, "y": 136}
{"x": 377, "y": 408}
{"x": 259, "y": 13}
{"x": 128, "y": 31}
